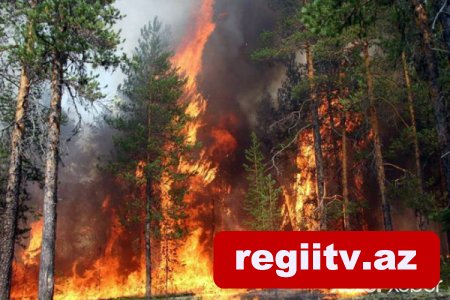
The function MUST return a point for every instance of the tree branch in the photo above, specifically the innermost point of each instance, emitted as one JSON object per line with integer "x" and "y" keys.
{"x": 279, "y": 152}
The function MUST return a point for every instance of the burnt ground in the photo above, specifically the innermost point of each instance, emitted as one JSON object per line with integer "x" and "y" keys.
{"x": 304, "y": 295}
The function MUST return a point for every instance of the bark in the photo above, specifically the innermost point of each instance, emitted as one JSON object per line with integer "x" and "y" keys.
{"x": 47, "y": 262}
{"x": 148, "y": 252}
{"x": 13, "y": 188}
{"x": 333, "y": 139}
{"x": 436, "y": 97}
{"x": 412, "y": 114}
{"x": 148, "y": 215}
{"x": 320, "y": 177}
{"x": 344, "y": 158}
{"x": 345, "y": 190}
{"x": 9, "y": 218}
{"x": 378, "y": 155}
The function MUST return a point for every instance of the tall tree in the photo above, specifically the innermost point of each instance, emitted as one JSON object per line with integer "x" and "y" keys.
{"x": 151, "y": 121}
{"x": 438, "y": 99}
{"x": 27, "y": 56}
{"x": 292, "y": 38}
{"x": 402, "y": 20}
{"x": 330, "y": 18}
{"x": 318, "y": 154}
{"x": 77, "y": 35}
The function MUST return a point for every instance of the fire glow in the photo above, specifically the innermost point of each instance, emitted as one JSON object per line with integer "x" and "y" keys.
{"x": 105, "y": 278}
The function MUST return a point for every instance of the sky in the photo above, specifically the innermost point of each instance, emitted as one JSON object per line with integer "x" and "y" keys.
{"x": 173, "y": 13}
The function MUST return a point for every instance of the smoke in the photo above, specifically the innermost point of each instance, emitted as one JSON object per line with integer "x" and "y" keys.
{"x": 233, "y": 86}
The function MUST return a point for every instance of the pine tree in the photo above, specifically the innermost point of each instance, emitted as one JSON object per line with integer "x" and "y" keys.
{"x": 437, "y": 97}
{"x": 75, "y": 35}
{"x": 151, "y": 121}
{"x": 25, "y": 52}
{"x": 262, "y": 198}
{"x": 328, "y": 18}
{"x": 290, "y": 39}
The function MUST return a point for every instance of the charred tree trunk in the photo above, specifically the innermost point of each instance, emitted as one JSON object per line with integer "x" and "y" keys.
{"x": 148, "y": 252}
{"x": 378, "y": 155}
{"x": 437, "y": 99}
{"x": 148, "y": 213}
{"x": 345, "y": 190}
{"x": 47, "y": 262}
{"x": 333, "y": 139}
{"x": 344, "y": 158}
{"x": 9, "y": 218}
{"x": 320, "y": 180}
{"x": 412, "y": 114}
{"x": 13, "y": 188}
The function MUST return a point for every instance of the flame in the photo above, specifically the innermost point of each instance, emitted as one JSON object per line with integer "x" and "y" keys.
{"x": 105, "y": 278}
{"x": 300, "y": 195}
{"x": 190, "y": 52}
{"x": 194, "y": 271}
{"x": 348, "y": 293}
{"x": 34, "y": 247}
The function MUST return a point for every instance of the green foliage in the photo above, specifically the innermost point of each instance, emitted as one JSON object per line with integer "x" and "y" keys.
{"x": 332, "y": 17}
{"x": 151, "y": 122}
{"x": 407, "y": 191}
{"x": 81, "y": 35}
{"x": 15, "y": 53}
{"x": 335, "y": 213}
{"x": 263, "y": 195}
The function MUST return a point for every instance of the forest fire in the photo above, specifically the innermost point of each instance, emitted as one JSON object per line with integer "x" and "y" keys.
{"x": 264, "y": 116}
{"x": 193, "y": 272}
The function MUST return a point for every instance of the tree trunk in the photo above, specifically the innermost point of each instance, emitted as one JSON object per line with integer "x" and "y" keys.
{"x": 47, "y": 263}
{"x": 13, "y": 188}
{"x": 437, "y": 99}
{"x": 317, "y": 141}
{"x": 344, "y": 159}
{"x": 412, "y": 114}
{"x": 148, "y": 214}
{"x": 333, "y": 139}
{"x": 379, "y": 162}
{"x": 9, "y": 218}
{"x": 345, "y": 191}
{"x": 148, "y": 252}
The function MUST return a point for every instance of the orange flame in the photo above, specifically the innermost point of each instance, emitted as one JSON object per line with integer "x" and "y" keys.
{"x": 194, "y": 273}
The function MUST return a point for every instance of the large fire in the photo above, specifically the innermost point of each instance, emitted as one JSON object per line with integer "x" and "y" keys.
{"x": 105, "y": 278}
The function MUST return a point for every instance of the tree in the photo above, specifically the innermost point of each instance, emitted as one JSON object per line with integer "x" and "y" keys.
{"x": 75, "y": 35}
{"x": 330, "y": 17}
{"x": 436, "y": 95}
{"x": 401, "y": 49}
{"x": 151, "y": 121}
{"x": 291, "y": 38}
{"x": 27, "y": 55}
{"x": 263, "y": 196}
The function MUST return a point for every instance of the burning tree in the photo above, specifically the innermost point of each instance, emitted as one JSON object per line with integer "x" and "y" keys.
{"x": 152, "y": 140}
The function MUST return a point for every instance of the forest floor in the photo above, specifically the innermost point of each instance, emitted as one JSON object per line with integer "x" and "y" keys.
{"x": 305, "y": 295}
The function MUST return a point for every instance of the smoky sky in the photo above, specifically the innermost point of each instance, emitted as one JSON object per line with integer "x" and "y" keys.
{"x": 231, "y": 82}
